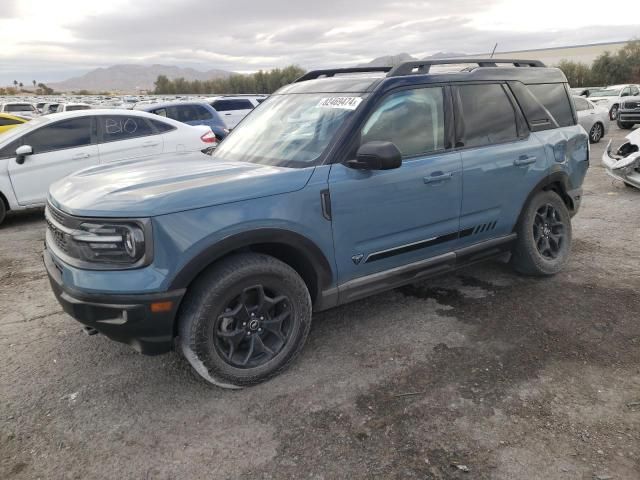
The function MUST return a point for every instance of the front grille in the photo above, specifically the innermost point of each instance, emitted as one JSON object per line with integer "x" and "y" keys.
{"x": 631, "y": 105}
{"x": 58, "y": 236}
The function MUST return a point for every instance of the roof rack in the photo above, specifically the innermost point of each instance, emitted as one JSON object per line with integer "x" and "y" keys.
{"x": 333, "y": 71}
{"x": 423, "y": 66}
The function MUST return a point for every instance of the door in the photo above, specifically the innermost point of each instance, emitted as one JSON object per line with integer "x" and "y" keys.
{"x": 232, "y": 110}
{"x": 126, "y": 137}
{"x": 501, "y": 161}
{"x": 384, "y": 219}
{"x": 586, "y": 113}
{"x": 59, "y": 149}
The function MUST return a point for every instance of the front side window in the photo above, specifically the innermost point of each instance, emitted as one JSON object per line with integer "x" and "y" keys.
{"x": 72, "y": 133}
{"x": 488, "y": 116}
{"x": 626, "y": 92}
{"x": 289, "y": 130}
{"x": 413, "y": 120}
{"x": 635, "y": 91}
{"x": 121, "y": 127}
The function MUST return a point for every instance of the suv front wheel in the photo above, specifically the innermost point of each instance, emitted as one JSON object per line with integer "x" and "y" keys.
{"x": 544, "y": 236}
{"x": 245, "y": 320}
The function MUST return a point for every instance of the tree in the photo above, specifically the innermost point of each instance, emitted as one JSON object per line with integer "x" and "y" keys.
{"x": 21, "y": 85}
{"x": 259, "y": 82}
{"x": 15, "y": 83}
{"x": 34, "y": 83}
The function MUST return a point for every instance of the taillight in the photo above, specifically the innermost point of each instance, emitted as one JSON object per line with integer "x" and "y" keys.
{"x": 209, "y": 137}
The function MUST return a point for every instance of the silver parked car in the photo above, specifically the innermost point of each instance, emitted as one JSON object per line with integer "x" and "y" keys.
{"x": 594, "y": 119}
{"x": 624, "y": 162}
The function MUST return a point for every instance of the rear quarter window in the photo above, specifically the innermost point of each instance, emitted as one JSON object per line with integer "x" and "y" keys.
{"x": 553, "y": 96}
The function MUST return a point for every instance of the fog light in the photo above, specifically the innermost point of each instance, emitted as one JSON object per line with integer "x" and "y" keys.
{"x": 160, "y": 307}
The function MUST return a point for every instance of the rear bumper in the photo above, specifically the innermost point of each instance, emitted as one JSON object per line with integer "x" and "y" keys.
{"x": 124, "y": 318}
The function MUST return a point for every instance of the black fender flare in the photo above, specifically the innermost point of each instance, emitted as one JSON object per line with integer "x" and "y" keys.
{"x": 315, "y": 256}
{"x": 555, "y": 177}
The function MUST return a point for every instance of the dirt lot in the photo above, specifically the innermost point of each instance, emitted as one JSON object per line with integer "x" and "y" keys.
{"x": 508, "y": 377}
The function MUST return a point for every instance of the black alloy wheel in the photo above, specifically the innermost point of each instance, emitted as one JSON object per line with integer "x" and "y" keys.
{"x": 548, "y": 231}
{"x": 253, "y": 328}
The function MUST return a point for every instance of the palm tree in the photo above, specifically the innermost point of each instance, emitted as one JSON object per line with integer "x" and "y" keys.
{"x": 34, "y": 83}
{"x": 21, "y": 85}
{"x": 15, "y": 83}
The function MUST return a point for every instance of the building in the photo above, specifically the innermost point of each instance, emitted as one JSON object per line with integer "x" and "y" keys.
{"x": 553, "y": 56}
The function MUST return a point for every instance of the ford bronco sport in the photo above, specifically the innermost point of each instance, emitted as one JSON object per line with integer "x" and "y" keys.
{"x": 341, "y": 185}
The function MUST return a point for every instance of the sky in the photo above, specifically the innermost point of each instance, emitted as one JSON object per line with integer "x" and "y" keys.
{"x": 51, "y": 40}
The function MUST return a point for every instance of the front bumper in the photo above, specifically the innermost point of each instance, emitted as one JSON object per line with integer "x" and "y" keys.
{"x": 629, "y": 116}
{"x": 625, "y": 169}
{"x": 124, "y": 318}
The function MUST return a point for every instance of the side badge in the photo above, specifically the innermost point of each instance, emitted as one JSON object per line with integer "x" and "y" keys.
{"x": 357, "y": 258}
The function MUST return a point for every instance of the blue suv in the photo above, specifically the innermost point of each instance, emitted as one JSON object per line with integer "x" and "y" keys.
{"x": 341, "y": 185}
{"x": 191, "y": 113}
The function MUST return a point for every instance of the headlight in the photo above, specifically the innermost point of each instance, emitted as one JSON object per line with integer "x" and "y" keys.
{"x": 99, "y": 243}
{"x": 110, "y": 243}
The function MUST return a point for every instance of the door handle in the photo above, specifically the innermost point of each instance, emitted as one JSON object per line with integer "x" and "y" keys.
{"x": 524, "y": 160}
{"x": 227, "y": 114}
{"x": 80, "y": 156}
{"x": 437, "y": 177}
{"x": 149, "y": 144}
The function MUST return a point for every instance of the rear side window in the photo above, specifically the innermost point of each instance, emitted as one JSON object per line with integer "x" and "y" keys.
{"x": 226, "y": 105}
{"x": 121, "y": 127}
{"x": 411, "y": 119}
{"x": 488, "y": 116}
{"x": 555, "y": 99}
{"x": 161, "y": 127}
{"x": 581, "y": 104}
{"x": 72, "y": 133}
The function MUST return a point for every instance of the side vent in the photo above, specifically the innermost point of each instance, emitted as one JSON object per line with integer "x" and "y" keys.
{"x": 485, "y": 227}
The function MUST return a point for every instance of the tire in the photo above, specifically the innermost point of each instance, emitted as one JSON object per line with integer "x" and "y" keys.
{"x": 596, "y": 133}
{"x": 221, "y": 325}
{"x": 613, "y": 113}
{"x": 624, "y": 125}
{"x": 3, "y": 211}
{"x": 545, "y": 222}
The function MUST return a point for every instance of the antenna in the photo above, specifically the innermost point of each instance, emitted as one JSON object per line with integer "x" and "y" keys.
{"x": 494, "y": 50}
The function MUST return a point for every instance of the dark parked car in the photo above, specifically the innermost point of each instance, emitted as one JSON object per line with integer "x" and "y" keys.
{"x": 192, "y": 113}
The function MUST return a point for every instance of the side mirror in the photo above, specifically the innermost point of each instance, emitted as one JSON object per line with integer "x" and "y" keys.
{"x": 22, "y": 152}
{"x": 376, "y": 155}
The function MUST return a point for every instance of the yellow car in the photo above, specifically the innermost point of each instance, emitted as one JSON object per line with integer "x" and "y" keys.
{"x": 7, "y": 122}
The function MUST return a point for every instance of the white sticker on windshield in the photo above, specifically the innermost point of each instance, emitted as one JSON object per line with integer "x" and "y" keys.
{"x": 347, "y": 103}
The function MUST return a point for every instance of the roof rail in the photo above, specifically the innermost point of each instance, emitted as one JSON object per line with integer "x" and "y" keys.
{"x": 423, "y": 66}
{"x": 333, "y": 71}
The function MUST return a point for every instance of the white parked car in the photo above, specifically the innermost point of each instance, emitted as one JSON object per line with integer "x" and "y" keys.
{"x": 22, "y": 109}
{"x": 611, "y": 97}
{"x": 234, "y": 109}
{"x": 72, "y": 107}
{"x": 37, "y": 153}
{"x": 594, "y": 119}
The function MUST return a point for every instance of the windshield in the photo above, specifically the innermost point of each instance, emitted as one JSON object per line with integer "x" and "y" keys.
{"x": 18, "y": 107}
{"x": 288, "y": 130}
{"x": 613, "y": 92}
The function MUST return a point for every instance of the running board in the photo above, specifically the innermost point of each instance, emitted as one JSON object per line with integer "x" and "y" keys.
{"x": 413, "y": 272}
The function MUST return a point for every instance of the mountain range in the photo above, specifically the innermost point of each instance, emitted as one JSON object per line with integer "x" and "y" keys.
{"x": 132, "y": 78}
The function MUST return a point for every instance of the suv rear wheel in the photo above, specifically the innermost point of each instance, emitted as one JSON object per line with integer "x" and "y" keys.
{"x": 245, "y": 320}
{"x": 544, "y": 236}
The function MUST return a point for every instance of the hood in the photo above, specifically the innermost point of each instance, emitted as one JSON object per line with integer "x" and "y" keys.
{"x": 169, "y": 184}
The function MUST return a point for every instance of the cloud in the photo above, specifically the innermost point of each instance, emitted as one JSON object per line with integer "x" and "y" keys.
{"x": 244, "y": 35}
{"x": 8, "y": 9}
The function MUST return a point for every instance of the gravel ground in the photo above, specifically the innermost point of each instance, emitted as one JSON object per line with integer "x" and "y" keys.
{"x": 486, "y": 371}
